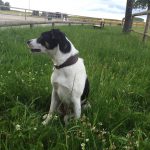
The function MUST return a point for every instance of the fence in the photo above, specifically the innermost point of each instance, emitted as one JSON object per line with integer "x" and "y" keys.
{"x": 18, "y": 16}
{"x": 147, "y": 25}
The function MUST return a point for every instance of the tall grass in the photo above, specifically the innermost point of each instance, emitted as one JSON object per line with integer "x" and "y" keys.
{"x": 119, "y": 73}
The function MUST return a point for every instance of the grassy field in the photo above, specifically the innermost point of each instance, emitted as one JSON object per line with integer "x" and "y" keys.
{"x": 118, "y": 68}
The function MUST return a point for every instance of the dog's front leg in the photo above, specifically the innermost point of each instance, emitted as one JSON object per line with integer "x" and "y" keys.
{"x": 53, "y": 107}
{"x": 77, "y": 108}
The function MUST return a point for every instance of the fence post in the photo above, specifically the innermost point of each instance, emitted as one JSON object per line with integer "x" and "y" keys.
{"x": 131, "y": 23}
{"x": 31, "y": 26}
{"x": 25, "y": 15}
{"x": 53, "y": 25}
{"x": 146, "y": 26}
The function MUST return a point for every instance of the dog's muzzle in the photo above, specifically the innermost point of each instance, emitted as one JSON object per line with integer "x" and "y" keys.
{"x": 32, "y": 49}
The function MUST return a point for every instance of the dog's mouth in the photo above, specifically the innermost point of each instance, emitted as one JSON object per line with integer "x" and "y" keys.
{"x": 35, "y": 50}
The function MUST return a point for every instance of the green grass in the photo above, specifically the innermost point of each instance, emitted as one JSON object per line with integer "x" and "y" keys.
{"x": 118, "y": 68}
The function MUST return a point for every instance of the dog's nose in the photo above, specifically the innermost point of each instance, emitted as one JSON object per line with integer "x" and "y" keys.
{"x": 28, "y": 42}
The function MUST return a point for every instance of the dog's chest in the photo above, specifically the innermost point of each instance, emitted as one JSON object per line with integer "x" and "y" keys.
{"x": 62, "y": 83}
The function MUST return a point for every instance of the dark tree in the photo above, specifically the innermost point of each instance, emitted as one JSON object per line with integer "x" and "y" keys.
{"x": 128, "y": 16}
{"x": 2, "y": 5}
{"x": 8, "y": 6}
{"x": 1, "y": 2}
{"x": 141, "y": 4}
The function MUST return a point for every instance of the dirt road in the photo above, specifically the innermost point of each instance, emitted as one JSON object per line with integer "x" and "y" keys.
{"x": 14, "y": 18}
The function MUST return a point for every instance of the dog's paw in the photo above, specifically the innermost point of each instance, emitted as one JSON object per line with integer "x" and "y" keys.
{"x": 45, "y": 116}
{"x": 45, "y": 122}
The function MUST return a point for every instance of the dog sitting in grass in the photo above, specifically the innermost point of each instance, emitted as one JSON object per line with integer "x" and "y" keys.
{"x": 69, "y": 79}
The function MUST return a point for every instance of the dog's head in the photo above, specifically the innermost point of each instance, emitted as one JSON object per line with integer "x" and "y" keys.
{"x": 49, "y": 41}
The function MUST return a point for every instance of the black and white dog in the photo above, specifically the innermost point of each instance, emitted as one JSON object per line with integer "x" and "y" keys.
{"x": 69, "y": 78}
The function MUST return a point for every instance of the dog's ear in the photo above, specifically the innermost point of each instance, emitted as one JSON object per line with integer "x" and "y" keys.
{"x": 64, "y": 44}
{"x": 60, "y": 38}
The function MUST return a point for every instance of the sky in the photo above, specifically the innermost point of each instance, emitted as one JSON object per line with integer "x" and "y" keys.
{"x": 112, "y": 9}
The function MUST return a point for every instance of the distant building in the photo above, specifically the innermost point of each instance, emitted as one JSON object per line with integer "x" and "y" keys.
{"x": 35, "y": 13}
{"x": 57, "y": 15}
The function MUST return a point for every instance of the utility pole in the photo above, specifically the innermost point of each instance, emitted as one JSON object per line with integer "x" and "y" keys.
{"x": 29, "y": 4}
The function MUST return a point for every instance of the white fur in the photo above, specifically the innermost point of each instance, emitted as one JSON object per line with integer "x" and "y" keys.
{"x": 68, "y": 82}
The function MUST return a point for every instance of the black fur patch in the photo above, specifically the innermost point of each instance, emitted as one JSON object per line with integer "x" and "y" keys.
{"x": 86, "y": 90}
{"x": 54, "y": 37}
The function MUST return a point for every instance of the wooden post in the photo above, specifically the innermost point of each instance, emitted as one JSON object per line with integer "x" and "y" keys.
{"x": 147, "y": 23}
{"x": 53, "y": 25}
{"x": 25, "y": 14}
{"x": 31, "y": 26}
{"x": 131, "y": 23}
{"x": 146, "y": 27}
